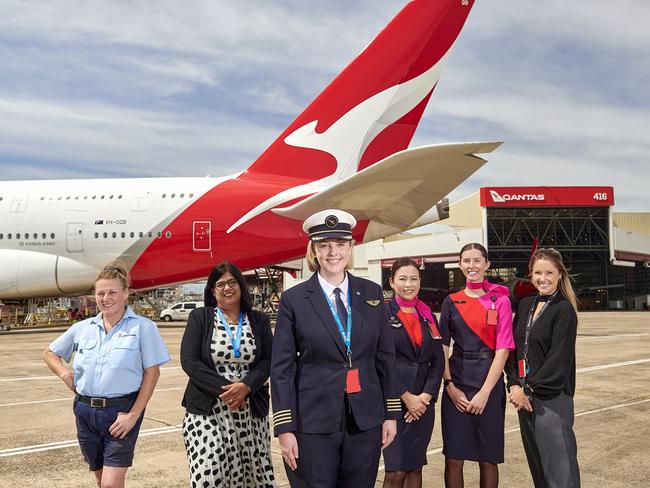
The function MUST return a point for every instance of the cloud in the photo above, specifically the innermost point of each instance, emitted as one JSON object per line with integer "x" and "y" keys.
{"x": 171, "y": 88}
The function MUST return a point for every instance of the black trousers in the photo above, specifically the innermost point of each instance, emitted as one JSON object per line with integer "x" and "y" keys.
{"x": 550, "y": 444}
{"x": 345, "y": 459}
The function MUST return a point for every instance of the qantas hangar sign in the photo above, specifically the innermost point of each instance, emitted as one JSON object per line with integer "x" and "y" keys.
{"x": 547, "y": 196}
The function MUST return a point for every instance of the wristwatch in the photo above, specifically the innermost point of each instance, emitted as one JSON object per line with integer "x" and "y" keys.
{"x": 528, "y": 390}
{"x": 446, "y": 382}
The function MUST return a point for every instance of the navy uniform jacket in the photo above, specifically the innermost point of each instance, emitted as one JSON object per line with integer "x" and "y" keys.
{"x": 309, "y": 363}
{"x": 418, "y": 369}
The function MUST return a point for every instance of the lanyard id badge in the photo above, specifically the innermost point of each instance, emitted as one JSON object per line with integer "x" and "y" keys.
{"x": 235, "y": 339}
{"x": 352, "y": 383}
{"x": 524, "y": 366}
{"x": 492, "y": 315}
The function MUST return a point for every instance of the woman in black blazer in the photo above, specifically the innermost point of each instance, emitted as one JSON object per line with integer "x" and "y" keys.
{"x": 226, "y": 352}
{"x": 420, "y": 363}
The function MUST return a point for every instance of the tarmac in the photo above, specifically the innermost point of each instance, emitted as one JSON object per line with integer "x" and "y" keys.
{"x": 38, "y": 446}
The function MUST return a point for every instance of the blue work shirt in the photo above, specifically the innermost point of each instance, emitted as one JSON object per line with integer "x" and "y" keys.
{"x": 111, "y": 365}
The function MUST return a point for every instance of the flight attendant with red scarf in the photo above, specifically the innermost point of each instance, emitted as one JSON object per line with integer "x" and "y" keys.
{"x": 479, "y": 320}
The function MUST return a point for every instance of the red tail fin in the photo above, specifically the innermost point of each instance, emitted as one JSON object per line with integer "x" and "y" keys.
{"x": 372, "y": 109}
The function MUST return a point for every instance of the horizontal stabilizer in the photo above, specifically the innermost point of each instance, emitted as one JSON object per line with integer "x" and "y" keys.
{"x": 393, "y": 193}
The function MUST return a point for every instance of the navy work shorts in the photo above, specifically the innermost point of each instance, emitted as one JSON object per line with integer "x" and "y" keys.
{"x": 98, "y": 446}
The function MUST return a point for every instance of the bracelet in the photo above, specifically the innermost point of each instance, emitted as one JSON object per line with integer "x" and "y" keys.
{"x": 446, "y": 382}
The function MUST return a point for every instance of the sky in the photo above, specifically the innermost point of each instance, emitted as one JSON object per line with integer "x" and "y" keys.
{"x": 95, "y": 89}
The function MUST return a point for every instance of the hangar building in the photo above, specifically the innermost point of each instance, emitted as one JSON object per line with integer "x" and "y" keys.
{"x": 608, "y": 253}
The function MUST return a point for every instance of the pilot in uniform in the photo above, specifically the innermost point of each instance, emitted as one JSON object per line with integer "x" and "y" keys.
{"x": 332, "y": 373}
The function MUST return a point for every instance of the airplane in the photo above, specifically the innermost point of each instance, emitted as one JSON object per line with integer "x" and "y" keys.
{"x": 347, "y": 149}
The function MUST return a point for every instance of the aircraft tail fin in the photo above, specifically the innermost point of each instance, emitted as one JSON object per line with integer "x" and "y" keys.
{"x": 373, "y": 107}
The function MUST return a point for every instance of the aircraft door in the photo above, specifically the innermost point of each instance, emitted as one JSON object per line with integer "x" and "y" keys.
{"x": 19, "y": 202}
{"x": 74, "y": 237}
{"x": 202, "y": 235}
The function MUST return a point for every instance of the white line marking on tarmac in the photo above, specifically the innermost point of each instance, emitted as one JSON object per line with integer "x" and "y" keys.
{"x": 438, "y": 450}
{"x": 74, "y": 443}
{"x": 70, "y": 398}
{"x": 612, "y": 365}
{"x": 579, "y": 370}
{"x": 609, "y": 336}
{"x": 54, "y": 377}
{"x": 16, "y": 451}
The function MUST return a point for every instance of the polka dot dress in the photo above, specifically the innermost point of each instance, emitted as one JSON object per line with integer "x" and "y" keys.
{"x": 229, "y": 449}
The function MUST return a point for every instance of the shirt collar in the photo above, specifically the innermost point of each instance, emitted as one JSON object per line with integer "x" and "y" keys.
{"x": 99, "y": 319}
{"x": 328, "y": 288}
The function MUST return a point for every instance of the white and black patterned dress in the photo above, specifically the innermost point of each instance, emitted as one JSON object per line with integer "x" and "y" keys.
{"x": 229, "y": 449}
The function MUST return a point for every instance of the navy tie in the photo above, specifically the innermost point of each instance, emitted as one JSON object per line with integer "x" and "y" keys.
{"x": 340, "y": 309}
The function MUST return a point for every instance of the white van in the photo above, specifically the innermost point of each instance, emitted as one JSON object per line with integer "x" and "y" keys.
{"x": 179, "y": 311}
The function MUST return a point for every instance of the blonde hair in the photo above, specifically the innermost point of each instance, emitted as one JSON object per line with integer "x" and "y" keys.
{"x": 312, "y": 262}
{"x": 565, "y": 286}
{"x": 115, "y": 270}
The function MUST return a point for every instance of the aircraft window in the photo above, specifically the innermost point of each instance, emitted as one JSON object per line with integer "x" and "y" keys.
{"x": 35, "y": 235}
{"x": 191, "y": 195}
{"x": 150, "y": 234}
{"x": 42, "y": 198}
{"x": 173, "y": 195}
{"x": 94, "y": 196}
{"x": 132, "y": 234}
{"x": 77, "y": 197}
{"x": 59, "y": 198}
{"x": 181, "y": 195}
{"x": 123, "y": 235}
{"x": 164, "y": 195}
{"x": 168, "y": 234}
{"x": 159, "y": 234}
{"x": 85, "y": 197}
{"x": 102, "y": 197}
{"x": 96, "y": 235}
{"x": 111, "y": 197}
{"x": 105, "y": 235}
{"x": 114, "y": 235}
{"x": 0, "y": 236}
{"x": 68, "y": 197}
{"x": 17, "y": 235}
{"x": 141, "y": 234}
{"x": 43, "y": 235}
{"x": 52, "y": 235}
{"x": 8, "y": 236}
{"x": 1, "y": 199}
{"x": 119, "y": 197}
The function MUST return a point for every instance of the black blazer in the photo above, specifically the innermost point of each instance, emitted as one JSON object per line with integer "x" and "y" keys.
{"x": 204, "y": 385}
{"x": 418, "y": 369}
{"x": 309, "y": 368}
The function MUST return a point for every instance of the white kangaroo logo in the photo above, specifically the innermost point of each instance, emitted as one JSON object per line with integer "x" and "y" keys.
{"x": 349, "y": 136}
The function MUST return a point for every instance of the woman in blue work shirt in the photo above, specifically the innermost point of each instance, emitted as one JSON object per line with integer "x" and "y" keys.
{"x": 115, "y": 370}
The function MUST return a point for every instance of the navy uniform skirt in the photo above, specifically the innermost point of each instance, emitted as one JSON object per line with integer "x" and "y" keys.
{"x": 408, "y": 452}
{"x": 474, "y": 437}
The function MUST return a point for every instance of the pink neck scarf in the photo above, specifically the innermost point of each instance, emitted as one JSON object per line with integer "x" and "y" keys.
{"x": 419, "y": 305}
{"x": 475, "y": 286}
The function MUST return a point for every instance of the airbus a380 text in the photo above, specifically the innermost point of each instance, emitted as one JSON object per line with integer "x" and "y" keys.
{"x": 348, "y": 149}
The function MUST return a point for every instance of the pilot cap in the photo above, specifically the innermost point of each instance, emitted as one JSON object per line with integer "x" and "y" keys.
{"x": 330, "y": 224}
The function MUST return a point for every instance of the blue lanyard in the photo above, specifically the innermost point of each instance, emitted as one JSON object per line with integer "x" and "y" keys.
{"x": 347, "y": 333}
{"x": 236, "y": 340}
